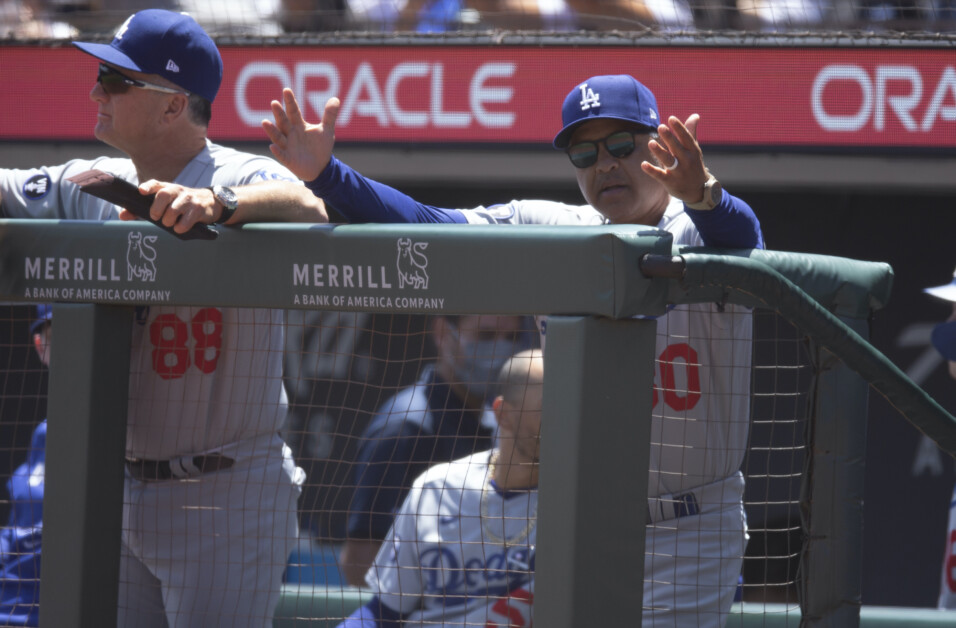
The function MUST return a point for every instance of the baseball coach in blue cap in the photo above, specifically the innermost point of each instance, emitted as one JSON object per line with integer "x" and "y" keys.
{"x": 632, "y": 167}
{"x": 210, "y": 489}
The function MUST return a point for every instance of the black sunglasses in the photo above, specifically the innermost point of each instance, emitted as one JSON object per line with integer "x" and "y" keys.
{"x": 619, "y": 144}
{"x": 114, "y": 82}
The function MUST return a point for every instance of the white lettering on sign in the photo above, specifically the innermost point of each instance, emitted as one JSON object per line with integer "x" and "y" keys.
{"x": 254, "y": 70}
{"x": 480, "y": 94}
{"x": 876, "y": 104}
{"x": 407, "y": 119}
{"x": 370, "y": 96}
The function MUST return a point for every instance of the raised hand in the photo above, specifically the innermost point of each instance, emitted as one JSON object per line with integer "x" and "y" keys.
{"x": 303, "y": 148}
{"x": 681, "y": 170}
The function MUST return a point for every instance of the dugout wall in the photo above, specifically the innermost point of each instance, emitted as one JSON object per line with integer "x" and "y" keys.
{"x": 600, "y": 275}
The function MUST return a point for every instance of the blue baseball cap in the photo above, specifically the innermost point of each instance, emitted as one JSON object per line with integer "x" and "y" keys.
{"x": 169, "y": 44}
{"x": 617, "y": 97}
{"x": 44, "y": 315}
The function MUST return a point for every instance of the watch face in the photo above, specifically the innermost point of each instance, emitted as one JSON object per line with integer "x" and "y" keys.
{"x": 716, "y": 193}
{"x": 226, "y": 196}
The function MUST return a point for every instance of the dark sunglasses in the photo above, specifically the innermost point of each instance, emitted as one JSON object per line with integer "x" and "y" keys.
{"x": 114, "y": 82}
{"x": 619, "y": 144}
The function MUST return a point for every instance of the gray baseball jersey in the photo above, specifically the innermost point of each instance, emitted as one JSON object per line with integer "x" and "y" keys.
{"x": 699, "y": 430}
{"x": 200, "y": 377}
{"x": 700, "y": 421}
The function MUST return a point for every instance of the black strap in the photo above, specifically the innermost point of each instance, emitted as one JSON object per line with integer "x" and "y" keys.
{"x": 178, "y": 468}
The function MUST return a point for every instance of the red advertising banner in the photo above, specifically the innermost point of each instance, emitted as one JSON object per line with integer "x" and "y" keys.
{"x": 747, "y": 97}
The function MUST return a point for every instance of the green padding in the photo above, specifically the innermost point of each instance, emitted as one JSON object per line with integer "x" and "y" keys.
{"x": 318, "y": 607}
{"x": 739, "y": 279}
{"x": 368, "y": 268}
{"x": 845, "y": 287}
{"x": 303, "y": 606}
{"x": 781, "y": 616}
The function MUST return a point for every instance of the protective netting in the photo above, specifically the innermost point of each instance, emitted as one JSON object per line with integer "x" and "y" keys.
{"x": 375, "y": 401}
{"x": 503, "y": 20}
{"x": 774, "y": 464}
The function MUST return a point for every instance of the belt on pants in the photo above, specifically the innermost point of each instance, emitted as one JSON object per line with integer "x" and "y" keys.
{"x": 672, "y": 507}
{"x": 176, "y": 468}
{"x": 706, "y": 498}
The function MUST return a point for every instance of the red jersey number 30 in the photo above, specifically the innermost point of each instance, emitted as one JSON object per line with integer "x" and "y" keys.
{"x": 178, "y": 344}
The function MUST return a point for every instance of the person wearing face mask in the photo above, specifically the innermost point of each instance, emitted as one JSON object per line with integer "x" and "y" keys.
{"x": 444, "y": 416}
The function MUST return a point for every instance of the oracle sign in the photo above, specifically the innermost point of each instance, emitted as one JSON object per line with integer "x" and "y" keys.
{"x": 891, "y": 91}
{"x": 490, "y": 95}
{"x": 365, "y": 94}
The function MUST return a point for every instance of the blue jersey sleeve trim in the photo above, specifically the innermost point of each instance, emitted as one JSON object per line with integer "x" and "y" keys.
{"x": 730, "y": 225}
{"x": 361, "y": 200}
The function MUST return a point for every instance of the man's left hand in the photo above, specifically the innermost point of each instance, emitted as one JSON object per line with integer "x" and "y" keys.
{"x": 682, "y": 169}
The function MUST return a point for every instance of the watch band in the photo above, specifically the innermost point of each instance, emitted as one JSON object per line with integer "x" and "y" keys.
{"x": 713, "y": 193}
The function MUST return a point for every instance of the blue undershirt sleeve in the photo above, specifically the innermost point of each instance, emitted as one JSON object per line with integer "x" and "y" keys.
{"x": 730, "y": 225}
{"x": 360, "y": 199}
{"x": 373, "y": 615}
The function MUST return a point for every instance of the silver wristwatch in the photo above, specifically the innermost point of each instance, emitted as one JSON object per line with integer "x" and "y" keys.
{"x": 228, "y": 199}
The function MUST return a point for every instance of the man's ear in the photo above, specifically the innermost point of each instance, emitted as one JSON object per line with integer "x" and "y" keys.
{"x": 498, "y": 405}
{"x": 177, "y": 106}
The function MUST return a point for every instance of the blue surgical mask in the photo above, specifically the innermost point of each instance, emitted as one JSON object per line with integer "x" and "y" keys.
{"x": 480, "y": 361}
{"x": 944, "y": 339}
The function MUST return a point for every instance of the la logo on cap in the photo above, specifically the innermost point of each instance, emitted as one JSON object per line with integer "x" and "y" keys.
{"x": 588, "y": 97}
{"x": 123, "y": 28}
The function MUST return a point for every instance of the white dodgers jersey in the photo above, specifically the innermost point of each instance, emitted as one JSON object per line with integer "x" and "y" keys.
{"x": 459, "y": 552}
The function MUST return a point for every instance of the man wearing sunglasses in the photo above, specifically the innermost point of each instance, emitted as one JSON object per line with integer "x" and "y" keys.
{"x": 211, "y": 490}
{"x": 631, "y": 167}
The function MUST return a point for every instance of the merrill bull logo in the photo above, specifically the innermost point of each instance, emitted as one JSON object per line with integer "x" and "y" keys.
{"x": 411, "y": 264}
{"x": 140, "y": 264}
{"x": 140, "y": 257}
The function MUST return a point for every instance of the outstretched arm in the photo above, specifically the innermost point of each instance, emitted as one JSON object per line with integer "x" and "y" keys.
{"x": 306, "y": 150}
